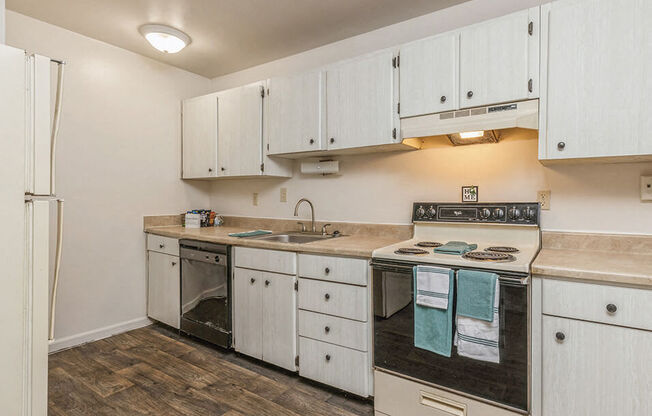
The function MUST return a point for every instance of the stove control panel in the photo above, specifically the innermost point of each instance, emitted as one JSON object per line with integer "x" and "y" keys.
{"x": 493, "y": 213}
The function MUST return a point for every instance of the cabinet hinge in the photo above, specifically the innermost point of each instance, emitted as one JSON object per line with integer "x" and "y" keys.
{"x": 296, "y": 285}
{"x": 262, "y": 167}
{"x": 398, "y": 108}
{"x": 530, "y": 85}
{"x": 296, "y": 360}
{"x": 396, "y": 61}
{"x": 394, "y": 133}
{"x": 530, "y": 28}
{"x": 268, "y": 91}
{"x": 262, "y": 92}
{"x": 267, "y": 146}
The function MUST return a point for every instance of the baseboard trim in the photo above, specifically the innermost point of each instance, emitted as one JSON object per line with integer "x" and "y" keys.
{"x": 97, "y": 334}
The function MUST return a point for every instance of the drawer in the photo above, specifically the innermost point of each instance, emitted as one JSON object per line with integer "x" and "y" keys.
{"x": 593, "y": 302}
{"x": 165, "y": 245}
{"x": 334, "y": 269}
{"x": 395, "y": 396}
{"x": 336, "y": 299}
{"x": 336, "y": 366}
{"x": 267, "y": 260}
{"x": 340, "y": 331}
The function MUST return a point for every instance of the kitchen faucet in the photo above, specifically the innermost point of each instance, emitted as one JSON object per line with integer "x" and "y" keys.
{"x": 312, "y": 211}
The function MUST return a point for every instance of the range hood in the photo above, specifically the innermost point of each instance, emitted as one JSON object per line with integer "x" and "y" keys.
{"x": 473, "y": 125}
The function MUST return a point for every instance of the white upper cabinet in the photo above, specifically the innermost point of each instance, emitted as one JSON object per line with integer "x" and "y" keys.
{"x": 428, "y": 75}
{"x": 240, "y": 130}
{"x": 498, "y": 58}
{"x": 596, "y": 84}
{"x": 294, "y": 116}
{"x": 361, "y": 102}
{"x": 200, "y": 137}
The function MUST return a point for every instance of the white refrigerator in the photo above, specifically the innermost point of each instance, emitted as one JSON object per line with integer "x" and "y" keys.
{"x": 29, "y": 123}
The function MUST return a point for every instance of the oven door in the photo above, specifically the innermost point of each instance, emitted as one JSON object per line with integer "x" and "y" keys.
{"x": 505, "y": 383}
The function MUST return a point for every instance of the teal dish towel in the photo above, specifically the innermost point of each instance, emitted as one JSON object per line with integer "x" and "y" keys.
{"x": 456, "y": 247}
{"x": 250, "y": 233}
{"x": 476, "y": 291}
{"x": 433, "y": 328}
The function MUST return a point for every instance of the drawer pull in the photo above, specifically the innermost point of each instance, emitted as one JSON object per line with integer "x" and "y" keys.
{"x": 447, "y": 406}
{"x": 328, "y": 357}
{"x": 327, "y": 329}
{"x": 161, "y": 245}
{"x": 611, "y": 308}
{"x": 560, "y": 336}
{"x": 252, "y": 280}
{"x": 327, "y": 270}
{"x": 327, "y": 296}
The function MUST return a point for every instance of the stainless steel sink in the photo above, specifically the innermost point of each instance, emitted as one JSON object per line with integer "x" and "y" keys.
{"x": 294, "y": 237}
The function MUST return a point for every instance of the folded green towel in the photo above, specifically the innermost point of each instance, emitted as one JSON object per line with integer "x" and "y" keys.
{"x": 475, "y": 294}
{"x": 433, "y": 328}
{"x": 250, "y": 233}
{"x": 456, "y": 247}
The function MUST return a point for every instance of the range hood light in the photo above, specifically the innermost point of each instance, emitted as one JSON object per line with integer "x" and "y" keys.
{"x": 471, "y": 134}
{"x": 164, "y": 38}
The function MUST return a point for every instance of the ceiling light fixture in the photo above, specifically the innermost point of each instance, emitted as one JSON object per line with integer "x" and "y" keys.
{"x": 165, "y": 38}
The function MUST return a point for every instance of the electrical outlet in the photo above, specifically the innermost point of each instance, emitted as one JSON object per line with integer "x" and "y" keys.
{"x": 284, "y": 194}
{"x": 543, "y": 198}
{"x": 255, "y": 200}
{"x": 646, "y": 188}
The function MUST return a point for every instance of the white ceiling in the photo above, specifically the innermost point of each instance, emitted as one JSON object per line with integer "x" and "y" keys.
{"x": 228, "y": 35}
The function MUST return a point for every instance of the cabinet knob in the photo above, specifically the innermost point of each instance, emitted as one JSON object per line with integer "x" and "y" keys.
{"x": 210, "y": 169}
{"x": 561, "y": 146}
{"x": 312, "y": 141}
{"x": 328, "y": 357}
{"x": 223, "y": 168}
{"x": 266, "y": 282}
{"x": 161, "y": 245}
{"x": 252, "y": 280}
{"x": 469, "y": 94}
{"x": 611, "y": 308}
{"x": 327, "y": 270}
{"x": 327, "y": 329}
{"x": 443, "y": 99}
{"x": 560, "y": 336}
{"x": 174, "y": 263}
{"x": 327, "y": 296}
{"x": 332, "y": 140}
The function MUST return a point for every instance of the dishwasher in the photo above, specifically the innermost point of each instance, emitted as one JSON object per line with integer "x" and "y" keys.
{"x": 206, "y": 291}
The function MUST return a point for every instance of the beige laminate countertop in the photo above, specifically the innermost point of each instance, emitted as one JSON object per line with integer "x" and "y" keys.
{"x": 358, "y": 245}
{"x": 623, "y": 260}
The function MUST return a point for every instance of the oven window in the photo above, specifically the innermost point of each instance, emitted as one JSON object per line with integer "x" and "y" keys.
{"x": 394, "y": 350}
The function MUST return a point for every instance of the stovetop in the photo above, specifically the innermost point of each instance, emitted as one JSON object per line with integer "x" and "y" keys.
{"x": 504, "y": 243}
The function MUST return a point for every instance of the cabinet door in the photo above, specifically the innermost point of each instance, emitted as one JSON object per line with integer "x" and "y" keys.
{"x": 597, "y": 85}
{"x": 248, "y": 312}
{"x": 240, "y": 118}
{"x": 361, "y": 103}
{"x": 596, "y": 370}
{"x": 495, "y": 59}
{"x": 200, "y": 137}
{"x": 428, "y": 75}
{"x": 279, "y": 320}
{"x": 295, "y": 113}
{"x": 163, "y": 291}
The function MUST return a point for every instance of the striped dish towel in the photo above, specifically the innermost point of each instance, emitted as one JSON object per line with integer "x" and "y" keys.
{"x": 479, "y": 339}
{"x": 433, "y": 285}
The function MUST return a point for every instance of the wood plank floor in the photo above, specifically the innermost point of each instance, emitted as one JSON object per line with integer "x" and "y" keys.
{"x": 153, "y": 371}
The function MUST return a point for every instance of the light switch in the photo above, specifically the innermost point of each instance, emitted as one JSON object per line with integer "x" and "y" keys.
{"x": 646, "y": 188}
{"x": 284, "y": 194}
{"x": 255, "y": 199}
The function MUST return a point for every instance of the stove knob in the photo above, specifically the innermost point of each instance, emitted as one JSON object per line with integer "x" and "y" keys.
{"x": 485, "y": 213}
{"x": 514, "y": 213}
{"x": 420, "y": 212}
{"x": 498, "y": 213}
{"x": 529, "y": 213}
{"x": 432, "y": 212}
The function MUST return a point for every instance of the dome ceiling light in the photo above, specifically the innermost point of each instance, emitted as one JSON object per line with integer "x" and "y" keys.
{"x": 165, "y": 38}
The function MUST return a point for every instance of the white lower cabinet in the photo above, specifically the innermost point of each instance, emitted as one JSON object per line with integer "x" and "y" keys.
{"x": 592, "y": 369}
{"x": 264, "y": 312}
{"x": 163, "y": 289}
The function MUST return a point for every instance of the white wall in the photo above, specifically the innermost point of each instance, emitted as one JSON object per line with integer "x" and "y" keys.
{"x": 2, "y": 21}
{"x": 381, "y": 187}
{"x": 118, "y": 159}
